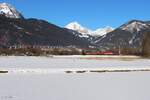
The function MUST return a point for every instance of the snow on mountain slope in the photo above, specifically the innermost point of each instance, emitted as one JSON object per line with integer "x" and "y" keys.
{"x": 102, "y": 31}
{"x": 9, "y": 11}
{"x": 128, "y": 35}
{"x": 87, "y": 32}
{"x": 75, "y": 26}
{"x": 134, "y": 25}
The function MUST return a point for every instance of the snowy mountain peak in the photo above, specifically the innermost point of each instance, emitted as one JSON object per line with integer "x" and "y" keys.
{"x": 88, "y": 32}
{"x": 9, "y": 11}
{"x": 134, "y": 25}
{"x": 77, "y": 27}
{"x": 73, "y": 25}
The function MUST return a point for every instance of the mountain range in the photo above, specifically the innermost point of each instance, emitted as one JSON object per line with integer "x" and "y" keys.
{"x": 17, "y": 30}
{"x": 85, "y": 32}
{"x": 128, "y": 35}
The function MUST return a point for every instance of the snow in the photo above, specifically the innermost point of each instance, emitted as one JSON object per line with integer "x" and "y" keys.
{"x": 43, "y": 78}
{"x": 74, "y": 25}
{"x": 132, "y": 39}
{"x": 102, "y": 31}
{"x": 105, "y": 86}
{"x": 138, "y": 26}
{"x": 73, "y": 62}
{"x": 19, "y": 28}
{"x": 9, "y": 11}
{"x": 98, "y": 40}
{"x": 85, "y": 32}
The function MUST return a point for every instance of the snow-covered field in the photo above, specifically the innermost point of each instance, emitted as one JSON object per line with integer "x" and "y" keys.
{"x": 60, "y": 64}
{"x": 104, "y": 86}
{"x": 72, "y": 62}
{"x": 43, "y": 78}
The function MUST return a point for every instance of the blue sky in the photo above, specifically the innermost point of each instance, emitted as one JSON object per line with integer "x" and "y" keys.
{"x": 90, "y": 13}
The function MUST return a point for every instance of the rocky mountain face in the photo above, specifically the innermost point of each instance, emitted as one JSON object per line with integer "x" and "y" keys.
{"x": 129, "y": 35}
